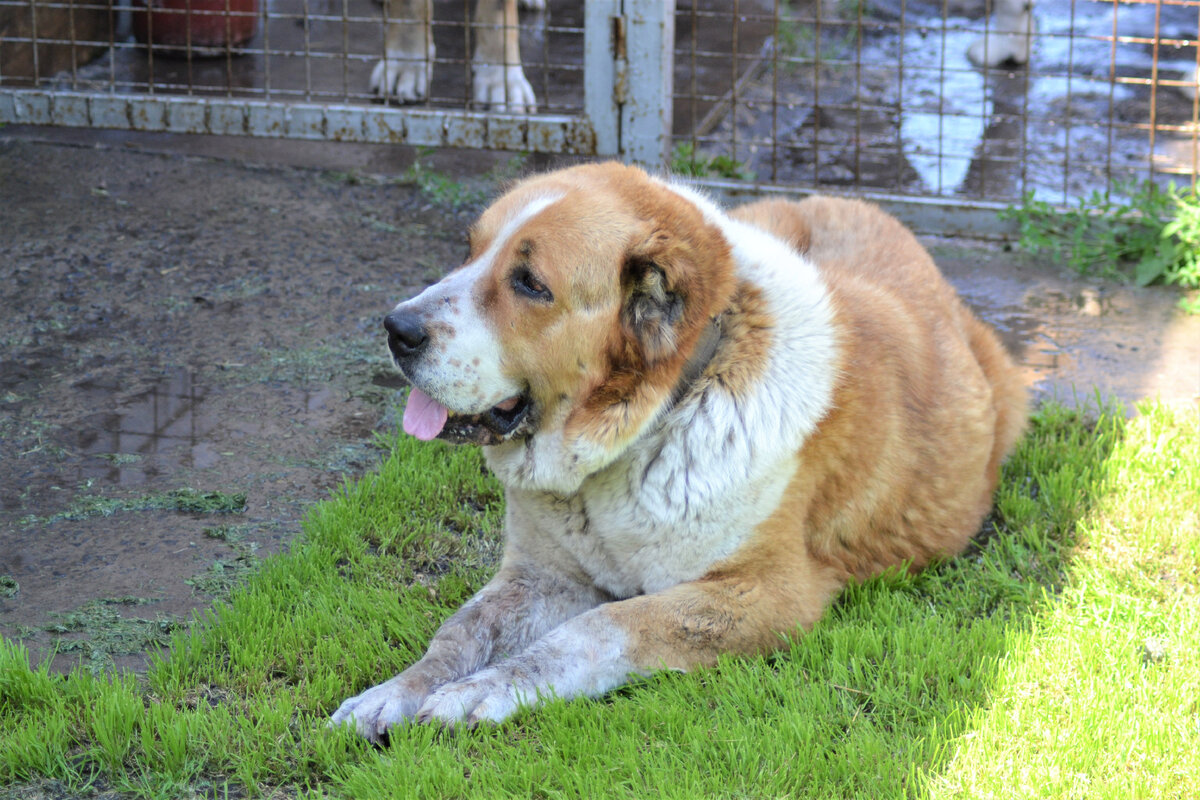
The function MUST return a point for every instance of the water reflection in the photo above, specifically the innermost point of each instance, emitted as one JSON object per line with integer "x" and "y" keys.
{"x": 176, "y": 424}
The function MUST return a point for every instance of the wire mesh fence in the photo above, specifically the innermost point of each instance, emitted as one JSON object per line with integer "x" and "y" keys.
{"x": 979, "y": 99}
{"x": 948, "y": 100}
{"x": 322, "y": 50}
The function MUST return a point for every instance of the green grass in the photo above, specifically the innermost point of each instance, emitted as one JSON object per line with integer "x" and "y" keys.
{"x": 456, "y": 194}
{"x": 186, "y": 500}
{"x": 98, "y": 630}
{"x": 1057, "y": 658}
{"x": 1132, "y": 232}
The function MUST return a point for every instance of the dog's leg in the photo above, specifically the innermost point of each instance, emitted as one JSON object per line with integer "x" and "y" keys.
{"x": 406, "y": 70}
{"x": 515, "y": 608}
{"x": 499, "y": 81}
{"x": 689, "y": 625}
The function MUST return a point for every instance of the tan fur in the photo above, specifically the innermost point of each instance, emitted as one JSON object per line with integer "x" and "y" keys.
{"x": 406, "y": 72}
{"x": 901, "y": 471}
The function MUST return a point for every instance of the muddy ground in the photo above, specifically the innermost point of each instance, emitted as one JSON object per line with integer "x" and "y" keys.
{"x": 190, "y": 356}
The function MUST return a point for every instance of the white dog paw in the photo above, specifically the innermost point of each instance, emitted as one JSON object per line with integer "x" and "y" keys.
{"x": 504, "y": 89}
{"x": 403, "y": 76}
{"x": 996, "y": 49}
{"x": 488, "y": 696}
{"x": 379, "y": 708}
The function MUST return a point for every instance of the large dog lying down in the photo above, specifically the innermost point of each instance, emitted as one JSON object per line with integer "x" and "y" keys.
{"x": 705, "y": 424}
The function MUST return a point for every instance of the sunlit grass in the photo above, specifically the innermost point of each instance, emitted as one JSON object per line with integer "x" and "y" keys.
{"x": 1102, "y": 698}
{"x": 1057, "y": 658}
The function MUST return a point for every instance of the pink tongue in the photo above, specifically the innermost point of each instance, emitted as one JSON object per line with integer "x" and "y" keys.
{"x": 424, "y": 417}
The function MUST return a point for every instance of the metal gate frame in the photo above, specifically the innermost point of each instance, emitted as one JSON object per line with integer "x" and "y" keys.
{"x": 627, "y": 43}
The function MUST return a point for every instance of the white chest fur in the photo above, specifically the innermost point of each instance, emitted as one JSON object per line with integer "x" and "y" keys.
{"x": 662, "y": 515}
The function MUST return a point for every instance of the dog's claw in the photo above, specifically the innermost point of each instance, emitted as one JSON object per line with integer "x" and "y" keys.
{"x": 504, "y": 89}
{"x": 403, "y": 76}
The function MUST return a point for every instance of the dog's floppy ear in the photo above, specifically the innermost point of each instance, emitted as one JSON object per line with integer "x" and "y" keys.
{"x": 654, "y": 287}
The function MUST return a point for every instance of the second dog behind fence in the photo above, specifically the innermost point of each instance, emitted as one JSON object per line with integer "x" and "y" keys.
{"x": 498, "y": 80}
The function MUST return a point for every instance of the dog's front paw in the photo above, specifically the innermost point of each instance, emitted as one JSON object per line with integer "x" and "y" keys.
{"x": 487, "y": 696}
{"x": 504, "y": 89}
{"x": 381, "y": 707}
{"x": 403, "y": 76}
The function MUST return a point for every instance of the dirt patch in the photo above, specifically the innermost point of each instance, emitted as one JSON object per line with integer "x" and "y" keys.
{"x": 190, "y": 356}
{"x": 175, "y": 324}
{"x": 1075, "y": 338}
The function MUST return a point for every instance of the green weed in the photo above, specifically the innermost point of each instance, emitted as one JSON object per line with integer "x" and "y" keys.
{"x": 1151, "y": 236}
{"x": 444, "y": 190}
{"x": 799, "y": 39}
{"x": 459, "y": 195}
{"x": 686, "y": 161}
{"x": 225, "y": 574}
{"x": 98, "y": 631}
{"x": 121, "y": 459}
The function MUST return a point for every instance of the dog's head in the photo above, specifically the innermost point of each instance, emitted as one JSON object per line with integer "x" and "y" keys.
{"x": 568, "y": 328}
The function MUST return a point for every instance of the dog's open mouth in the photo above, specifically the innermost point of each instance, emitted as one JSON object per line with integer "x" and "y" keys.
{"x": 426, "y": 418}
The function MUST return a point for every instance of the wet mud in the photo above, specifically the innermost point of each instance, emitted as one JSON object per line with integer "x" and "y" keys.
{"x": 174, "y": 324}
{"x": 1080, "y": 341}
{"x": 181, "y": 323}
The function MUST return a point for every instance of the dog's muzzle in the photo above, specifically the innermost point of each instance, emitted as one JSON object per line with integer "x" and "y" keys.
{"x": 408, "y": 339}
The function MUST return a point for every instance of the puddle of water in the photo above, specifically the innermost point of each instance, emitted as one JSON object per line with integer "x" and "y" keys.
{"x": 1073, "y": 337}
{"x": 63, "y": 549}
{"x": 174, "y": 425}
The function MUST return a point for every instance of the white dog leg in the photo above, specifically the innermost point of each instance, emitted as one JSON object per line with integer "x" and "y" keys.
{"x": 499, "y": 81}
{"x": 1190, "y": 83}
{"x": 514, "y": 609}
{"x": 406, "y": 70}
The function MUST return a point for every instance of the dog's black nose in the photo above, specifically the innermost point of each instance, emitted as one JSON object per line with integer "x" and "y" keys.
{"x": 406, "y": 334}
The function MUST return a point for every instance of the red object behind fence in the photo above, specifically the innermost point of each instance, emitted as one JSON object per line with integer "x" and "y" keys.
{"x": 200, "y": 27}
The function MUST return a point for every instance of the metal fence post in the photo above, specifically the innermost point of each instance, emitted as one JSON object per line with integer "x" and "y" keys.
{"x": 648, "y": 81}
{"x": 602, "y": 24}
{"x": 629, "y": 63}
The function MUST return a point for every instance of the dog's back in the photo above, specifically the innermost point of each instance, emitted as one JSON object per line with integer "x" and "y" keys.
{"x": 914, "y": 358}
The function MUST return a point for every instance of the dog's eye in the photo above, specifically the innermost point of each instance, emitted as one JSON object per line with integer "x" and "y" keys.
{"x": 526, "y": 283}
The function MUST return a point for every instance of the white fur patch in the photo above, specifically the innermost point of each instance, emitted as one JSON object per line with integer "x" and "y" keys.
{"x": 464, "y": 368}
{"x": 583, "y": 656}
